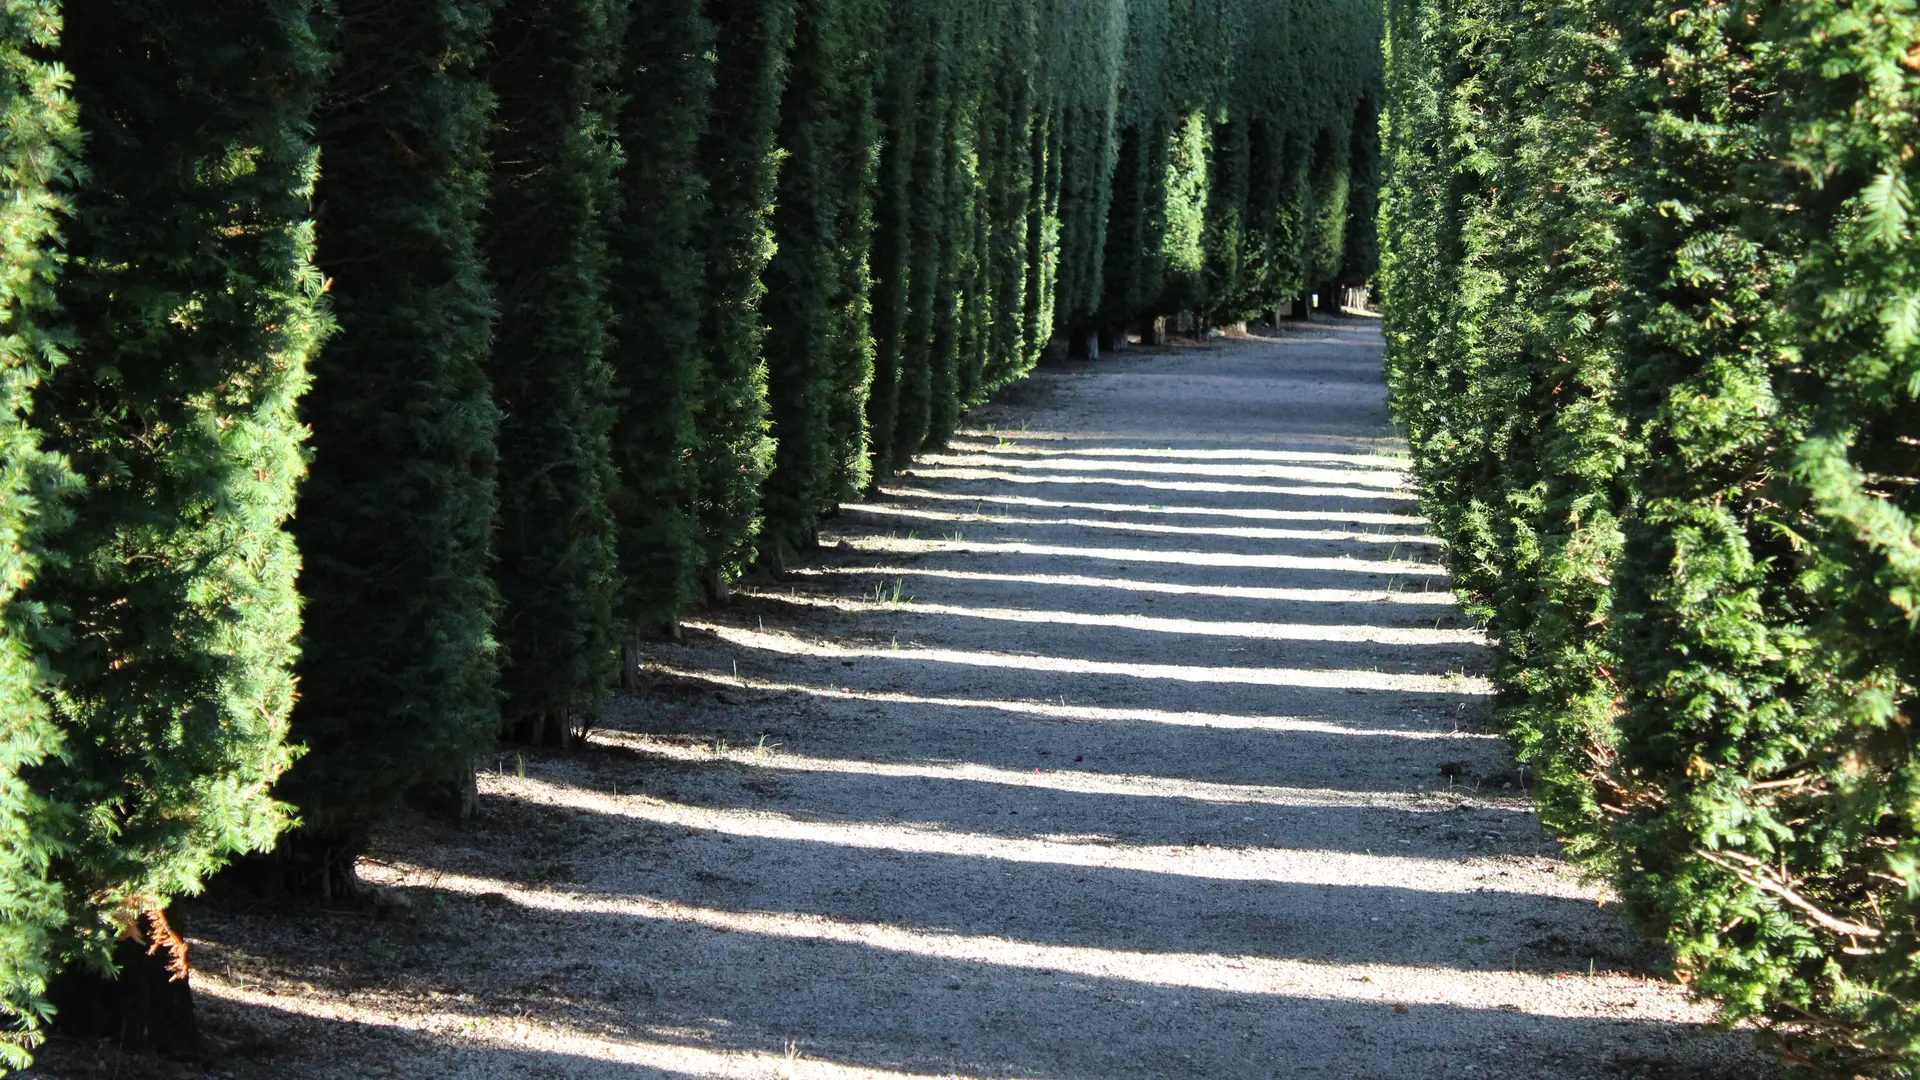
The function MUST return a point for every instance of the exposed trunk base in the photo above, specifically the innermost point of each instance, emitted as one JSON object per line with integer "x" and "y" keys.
{"x": 557, "y": 732}
{"x": 719, "y": 590}
{"x": 1155, "y": 331}
{"x": 455, "y": 797}
{"x": 1084, "y": 344}
{"x": 148, "y": 1008}
{"x": 1302, "y": 308}
{"x": 633, "y": 658}
{"x": 308, "y": 866}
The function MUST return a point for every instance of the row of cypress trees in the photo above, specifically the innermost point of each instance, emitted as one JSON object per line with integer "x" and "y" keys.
{"x": 425, "y": 356}
{"x": 1654, "y": 330}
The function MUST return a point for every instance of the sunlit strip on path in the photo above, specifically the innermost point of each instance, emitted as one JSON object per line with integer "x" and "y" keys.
{"x": 1303, "y": 473}
{"x": 1251, "y": 513}
{"x": 1341, "y": 563}
{"x": 1373, "y": 494}
{"x": 518, "y": 1034}
{"x": 1327, "y": 679}
{"x": 1433, "y": 598}
{"x": 1255, "y": 631}
{"x": 1308, "y": 980}
{"x": 1309, "y": 868}
{"x": 1071, "y": 781}
{"x": 1080, "y": 714}
{"x": 893, "y": 510}
{"x": 1006, "y": 444}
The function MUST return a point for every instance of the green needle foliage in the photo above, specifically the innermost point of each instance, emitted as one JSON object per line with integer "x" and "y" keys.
{"x": 551, "y": 67}
{"x": 666, "y": 73}
{"x": 37, "y": 149}
{"x": 1244, "y": 159}
{"x": 817, "y": 284}
{"x": 1650, "y": 291}
{"x": 195, "y": 309}
{"x": 623, "y": 296}
{"x": 1054, "y": 173}
{"x": 740, "y": 161}
{"x": 397, "y": 669}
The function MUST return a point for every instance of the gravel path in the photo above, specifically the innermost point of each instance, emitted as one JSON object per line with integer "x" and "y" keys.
{"x": 1112, "y": 743}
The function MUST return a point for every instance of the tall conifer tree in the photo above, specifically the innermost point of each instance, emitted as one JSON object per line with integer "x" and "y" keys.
{"x": 927, "y": 177}
{"x": 739, "y": 159}
{"x": 195, "y": 310}
{"x": 817, "y": 279}
{"x": 551, "y": 67}
{"x": 656, "y": 277}
{"x": 856, "y": 172}
{"x": 398, "y": 670}
{"x": 37, "y": 147}
{"x": 903, "y": 83}
{"x": 1007, "y": 179}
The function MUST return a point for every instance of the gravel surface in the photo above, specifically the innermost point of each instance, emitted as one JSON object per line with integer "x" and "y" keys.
{"x": 1137, "y": 735}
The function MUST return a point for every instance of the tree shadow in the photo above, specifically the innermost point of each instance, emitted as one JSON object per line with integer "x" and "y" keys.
{"x": 680, "y": 999}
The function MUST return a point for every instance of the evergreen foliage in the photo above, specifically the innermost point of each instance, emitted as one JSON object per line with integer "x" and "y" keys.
{"x": 552, "y": 67}
{"x": 817, "y": 283}
{"x": 655, "y": 287}
{"x": 37, "y": 149}
{"x": 623, "y": 296}
{"x": 1651, "y": 335}
{"x": 740, "y": 161}
{"x": 397, "y": 670}
{"x": 1234, "y": 187}
{"x": 194, "y": 309}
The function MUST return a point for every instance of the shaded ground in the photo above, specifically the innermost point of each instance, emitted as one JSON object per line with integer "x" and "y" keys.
{"x": 1137, "y": 736}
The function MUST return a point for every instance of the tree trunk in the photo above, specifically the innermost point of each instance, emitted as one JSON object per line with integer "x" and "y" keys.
{"x": 309, "y": 865}
{"x": 554, "y": 730}
{"x": 148, "y": 1008}
{"x": 1302, "y": 308}
{"x": 1084, "y": 344}
{"x": 1156, "y": 331}
{"x": 630, "y": 661}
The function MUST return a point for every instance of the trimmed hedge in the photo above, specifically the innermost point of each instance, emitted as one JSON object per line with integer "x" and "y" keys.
{"x": 1652, "y": 331}
{"x": 194, "y": 308}
{"x": 619, "y": 299}
{"x": 398, "y": 664}
{"x": 38, "y": 147}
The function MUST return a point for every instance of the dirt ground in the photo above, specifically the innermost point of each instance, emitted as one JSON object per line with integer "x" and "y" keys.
{"x": 1135, "y": 736}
